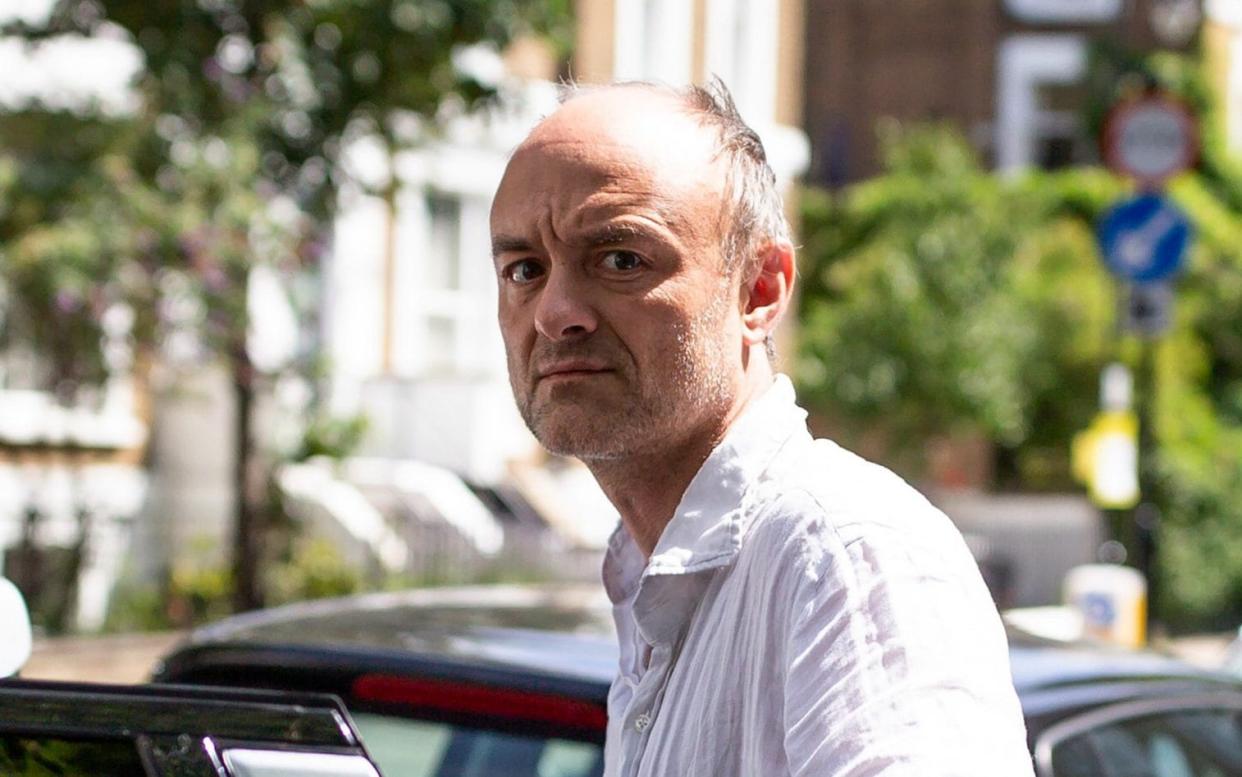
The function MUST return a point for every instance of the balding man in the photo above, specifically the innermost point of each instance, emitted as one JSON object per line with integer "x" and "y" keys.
{"x": 784, "y": 607}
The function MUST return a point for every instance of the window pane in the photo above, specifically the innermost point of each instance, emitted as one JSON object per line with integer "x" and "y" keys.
{"x": 444, "y": 246}
{"x": 441, "y": 344}
{"x": 1076, "y": 758}
{"x": 45, "y": 756}
{"x": 568, "y": 759}
{"x": 403, "y": 747}
{"x": 1194, "y": 743}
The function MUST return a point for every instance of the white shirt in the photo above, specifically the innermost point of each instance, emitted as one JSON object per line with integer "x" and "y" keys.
{"x": 806, "y": 612}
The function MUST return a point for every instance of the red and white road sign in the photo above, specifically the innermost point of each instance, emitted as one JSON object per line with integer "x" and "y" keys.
{"x": 1151, "y": 138}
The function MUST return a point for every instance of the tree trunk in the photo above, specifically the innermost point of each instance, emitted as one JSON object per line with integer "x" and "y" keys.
{"x": 390, "y": 266}
{"x": 248, "y": 540}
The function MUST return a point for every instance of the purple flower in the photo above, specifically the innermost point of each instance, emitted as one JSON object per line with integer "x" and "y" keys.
{"x": 67, "y": 301}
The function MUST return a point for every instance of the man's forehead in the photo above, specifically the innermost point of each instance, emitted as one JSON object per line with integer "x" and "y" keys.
{"x": 616, "y": 148}
{"x": 636, "y": 125}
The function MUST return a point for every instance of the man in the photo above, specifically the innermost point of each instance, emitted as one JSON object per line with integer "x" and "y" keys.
{"x": 784, "y": 608}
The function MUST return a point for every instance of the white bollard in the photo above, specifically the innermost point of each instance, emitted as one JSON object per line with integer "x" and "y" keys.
{"x": 1113, "y": 602}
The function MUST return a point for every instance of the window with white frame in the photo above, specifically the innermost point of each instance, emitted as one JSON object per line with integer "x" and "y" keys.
{"x": 1034, "y": 73}
{"x": 653, "y": 40}
{"x": 439, "y": 296}
{"x": 1060, "y": 139}
{"x": 742, "y": 46}
{"x": 443, "y": 258}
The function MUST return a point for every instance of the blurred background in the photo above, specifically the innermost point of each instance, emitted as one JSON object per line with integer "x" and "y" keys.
{"x": 248, "y": 351}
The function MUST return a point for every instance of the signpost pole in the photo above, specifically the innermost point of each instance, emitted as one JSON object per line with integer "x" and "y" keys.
{"x": 1146, "y": 515}
{"x": 1148, "y": 138}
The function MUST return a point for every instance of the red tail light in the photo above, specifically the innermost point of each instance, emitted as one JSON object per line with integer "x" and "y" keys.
{"x": 475, "y": 699}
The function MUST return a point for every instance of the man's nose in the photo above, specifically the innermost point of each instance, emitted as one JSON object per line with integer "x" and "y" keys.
{"x": 563, "y": 310}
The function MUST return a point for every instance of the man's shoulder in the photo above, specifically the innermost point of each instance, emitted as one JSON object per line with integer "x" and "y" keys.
{"x": 819, "y": 476}
{"x": 820, "y": 499}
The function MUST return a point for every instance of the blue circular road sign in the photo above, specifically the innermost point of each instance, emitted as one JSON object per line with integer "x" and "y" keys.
{"x": 1144, "y": 238}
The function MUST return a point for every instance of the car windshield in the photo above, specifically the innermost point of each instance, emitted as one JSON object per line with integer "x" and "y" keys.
{"x": 403, "y": 747}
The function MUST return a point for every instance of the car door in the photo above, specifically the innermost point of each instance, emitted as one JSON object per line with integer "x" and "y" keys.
{"x": 1197, "y": 735}
{"x": 51, "y": 729}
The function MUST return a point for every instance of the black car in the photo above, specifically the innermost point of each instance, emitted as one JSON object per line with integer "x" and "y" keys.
{"x": 52, "y": 728}
{"x": 121, "y": 731}
{"x": 514, "y": 681}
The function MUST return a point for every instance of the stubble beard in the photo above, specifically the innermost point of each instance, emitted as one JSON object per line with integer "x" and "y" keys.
{"x": 652, "y": 414}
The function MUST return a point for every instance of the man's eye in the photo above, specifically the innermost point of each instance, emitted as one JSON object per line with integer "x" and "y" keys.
{"x": 622, "y": 261}
{"x": 524, "y": 271}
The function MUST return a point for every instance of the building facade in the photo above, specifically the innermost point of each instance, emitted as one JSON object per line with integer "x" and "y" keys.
{"x": 1009, "y": 73}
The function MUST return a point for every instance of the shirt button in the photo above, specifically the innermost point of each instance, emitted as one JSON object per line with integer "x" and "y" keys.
{"x": 642, "y": 722}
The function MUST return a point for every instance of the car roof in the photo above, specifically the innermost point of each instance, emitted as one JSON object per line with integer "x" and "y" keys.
{"x": 566, "y": 631}
{"x": 557, "y": 630}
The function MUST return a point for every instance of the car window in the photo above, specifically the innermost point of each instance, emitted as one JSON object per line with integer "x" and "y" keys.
{"x": 25, "y": 756}
{"x": 403, "y": 747}
{"x": 1076, "y": 758}
{"x": 1181, "y": 743}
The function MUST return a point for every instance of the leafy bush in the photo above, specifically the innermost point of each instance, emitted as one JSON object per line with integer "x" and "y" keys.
{"x": 314, "y": 570}
{"x": 941, "y": 299}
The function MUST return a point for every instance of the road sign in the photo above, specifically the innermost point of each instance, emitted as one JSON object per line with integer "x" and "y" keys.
{"x": 1144, "y": 239}
{"x": 1148, "y": 308}
{"x": 1105, "y": 457}
{"x": 1151, "y": 138}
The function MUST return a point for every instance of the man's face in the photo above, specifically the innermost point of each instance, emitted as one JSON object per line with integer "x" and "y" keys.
{"x": 621, "y": 329}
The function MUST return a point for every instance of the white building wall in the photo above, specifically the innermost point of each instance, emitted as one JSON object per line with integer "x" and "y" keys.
{"x": 446, "y": 399}
{"x": 1228, "y": 14}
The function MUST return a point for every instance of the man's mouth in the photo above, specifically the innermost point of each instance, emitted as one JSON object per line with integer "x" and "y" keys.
{"x": 571, "y": 370}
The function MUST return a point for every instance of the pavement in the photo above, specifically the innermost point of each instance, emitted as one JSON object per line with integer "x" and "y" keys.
{"x": 1203, "y": 650}
{"x": 119, "y": 658}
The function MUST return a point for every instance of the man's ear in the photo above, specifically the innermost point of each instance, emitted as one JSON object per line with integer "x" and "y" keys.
{"x": 766, "y": 294}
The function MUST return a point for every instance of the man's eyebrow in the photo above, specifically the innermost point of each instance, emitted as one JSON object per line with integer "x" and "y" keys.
{"x": 603, "y": 235}
{"x": 505, "y": 243}
{"x": 609, "y": 234}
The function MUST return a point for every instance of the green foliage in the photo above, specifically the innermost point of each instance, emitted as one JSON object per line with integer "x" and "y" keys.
{"x": 189, "y": 595}
{"x": 940, "y": 298}
{"x": 135, "y": 607}
{"x": 232, "y": 157}
{"x": 314, "y": 570}
{"x": 333, "y": 437}
{"x": 198, "y": 592}
{"x": 242, "y": 106}
{"x": 1198, "y": 419}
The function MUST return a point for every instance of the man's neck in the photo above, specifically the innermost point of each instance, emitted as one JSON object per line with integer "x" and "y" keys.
{"x": 647, "y": 487}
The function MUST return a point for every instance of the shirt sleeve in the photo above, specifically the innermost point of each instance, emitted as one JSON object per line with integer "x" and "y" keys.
{"x": 896, "y": 662}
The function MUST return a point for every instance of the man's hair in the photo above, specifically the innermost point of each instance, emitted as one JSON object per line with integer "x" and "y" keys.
{"x": 753, "y": 213}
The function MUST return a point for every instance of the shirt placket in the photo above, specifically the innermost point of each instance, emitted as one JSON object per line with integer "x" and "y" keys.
{"x": 641, "y": 714}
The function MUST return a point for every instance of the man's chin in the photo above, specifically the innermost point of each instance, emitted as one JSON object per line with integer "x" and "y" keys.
{"x": 579, "y": 435}
{"x": 579, "y": 443}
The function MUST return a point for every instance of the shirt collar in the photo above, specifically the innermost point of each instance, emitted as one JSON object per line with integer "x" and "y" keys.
{"x": 711, "y": 520}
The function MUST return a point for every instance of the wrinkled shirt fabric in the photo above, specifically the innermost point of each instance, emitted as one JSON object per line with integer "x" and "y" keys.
{"x": 806, "y": 612}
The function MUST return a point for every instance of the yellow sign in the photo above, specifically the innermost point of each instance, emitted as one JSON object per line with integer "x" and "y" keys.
{"x": 1105, "y": 458}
